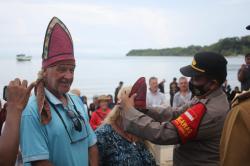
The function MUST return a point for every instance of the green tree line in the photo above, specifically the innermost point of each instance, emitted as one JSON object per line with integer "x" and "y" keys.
{"x": 228, "y": 47}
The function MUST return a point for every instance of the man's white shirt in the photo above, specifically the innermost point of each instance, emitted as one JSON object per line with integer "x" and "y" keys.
{"x": 157, "y": 99}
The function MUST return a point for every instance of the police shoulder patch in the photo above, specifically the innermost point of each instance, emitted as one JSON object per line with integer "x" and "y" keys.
{"x": 187, "y": 123}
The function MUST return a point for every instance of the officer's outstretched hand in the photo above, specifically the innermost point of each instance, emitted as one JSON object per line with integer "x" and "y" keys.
{"x": 18, "y": 94}
{"x": 126, "y": 101}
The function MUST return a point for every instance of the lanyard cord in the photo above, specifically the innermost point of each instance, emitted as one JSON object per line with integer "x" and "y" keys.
{"x": 75, "y": 107}
{"x": 79, "y": 114}
{"x": 60, "y": 116}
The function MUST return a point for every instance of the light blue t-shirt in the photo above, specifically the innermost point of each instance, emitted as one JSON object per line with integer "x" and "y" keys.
{"x": 52, "y": 142}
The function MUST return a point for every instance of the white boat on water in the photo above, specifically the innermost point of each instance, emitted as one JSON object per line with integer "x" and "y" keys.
{"x": 23, "y": 57}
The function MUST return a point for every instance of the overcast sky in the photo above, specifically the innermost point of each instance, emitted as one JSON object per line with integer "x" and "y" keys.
{"x": 113, "y": 27}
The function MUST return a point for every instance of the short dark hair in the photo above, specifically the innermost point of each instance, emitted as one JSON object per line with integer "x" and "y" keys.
{"x": 152, "y": 78}
{"x": 247, "y": 55}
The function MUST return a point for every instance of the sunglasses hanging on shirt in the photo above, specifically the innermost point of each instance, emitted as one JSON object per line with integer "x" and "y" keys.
{"x": 76, "y": 119}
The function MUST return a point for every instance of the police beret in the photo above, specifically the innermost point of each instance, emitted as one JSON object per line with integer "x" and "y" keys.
{"x": 206, "y": 63}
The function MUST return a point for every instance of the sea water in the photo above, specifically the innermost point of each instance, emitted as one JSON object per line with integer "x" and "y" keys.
{"x": 101, "y": 75}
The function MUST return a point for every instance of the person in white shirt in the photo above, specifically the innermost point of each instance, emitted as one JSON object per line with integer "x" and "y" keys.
{"x": 154, "y": 97}
{"x": 184, "y": 95}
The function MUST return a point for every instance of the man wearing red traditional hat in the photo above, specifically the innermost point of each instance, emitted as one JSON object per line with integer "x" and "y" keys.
{"x": 54, "y": 127}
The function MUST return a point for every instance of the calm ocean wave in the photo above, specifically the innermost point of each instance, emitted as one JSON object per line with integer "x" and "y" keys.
{"x": 100, "y": 75}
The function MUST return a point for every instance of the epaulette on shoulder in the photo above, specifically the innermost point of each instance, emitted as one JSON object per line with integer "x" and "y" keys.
{"x": 240, "y": 97}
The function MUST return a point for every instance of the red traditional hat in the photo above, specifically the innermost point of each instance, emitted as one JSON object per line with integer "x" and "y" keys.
{"x": 140, "y": 88}
{"x": 57, "y": 48}
{"x": 58, "y": 45}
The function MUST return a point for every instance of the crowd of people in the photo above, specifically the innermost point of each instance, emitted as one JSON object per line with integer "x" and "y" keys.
{"x": 55, "y": 125}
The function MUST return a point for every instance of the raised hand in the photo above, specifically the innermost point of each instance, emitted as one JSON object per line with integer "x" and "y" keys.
{"x": 18, "y": 93}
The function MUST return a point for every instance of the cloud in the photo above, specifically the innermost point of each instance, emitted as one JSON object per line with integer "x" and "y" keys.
{"x": 90, "y": 24}
{"x": 233, "y": 2}
{"x": 115, "y": 28}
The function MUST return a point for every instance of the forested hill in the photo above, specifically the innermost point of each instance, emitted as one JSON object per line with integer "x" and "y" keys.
{"x": 227, "y": 47}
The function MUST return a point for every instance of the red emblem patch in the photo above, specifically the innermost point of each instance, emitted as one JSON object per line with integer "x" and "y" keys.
{"x": 188, "y": 122}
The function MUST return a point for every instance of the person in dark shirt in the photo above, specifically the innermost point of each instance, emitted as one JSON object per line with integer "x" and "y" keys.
{"x": 234, "y": 92}
{"x": 111, "y": 104}
{"x": 161, "y": 86}
{"x": 173, "y": 88}
{"x": 3, "y": 114}
{"x": 117, "y": 91}
{"x": 244, "y": 73}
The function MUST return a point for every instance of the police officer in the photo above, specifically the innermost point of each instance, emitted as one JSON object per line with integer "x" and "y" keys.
{"x": 194, "y": 129}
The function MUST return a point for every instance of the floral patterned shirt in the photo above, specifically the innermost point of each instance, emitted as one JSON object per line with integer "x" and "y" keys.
{"x": 114, "y": 150}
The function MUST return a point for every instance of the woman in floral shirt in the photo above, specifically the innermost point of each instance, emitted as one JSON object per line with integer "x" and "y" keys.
{"x": 119, "y": 148}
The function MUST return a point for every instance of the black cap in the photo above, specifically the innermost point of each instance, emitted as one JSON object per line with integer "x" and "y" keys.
{"x": 207, "y": 63}
{"x": 248, "y": 27}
